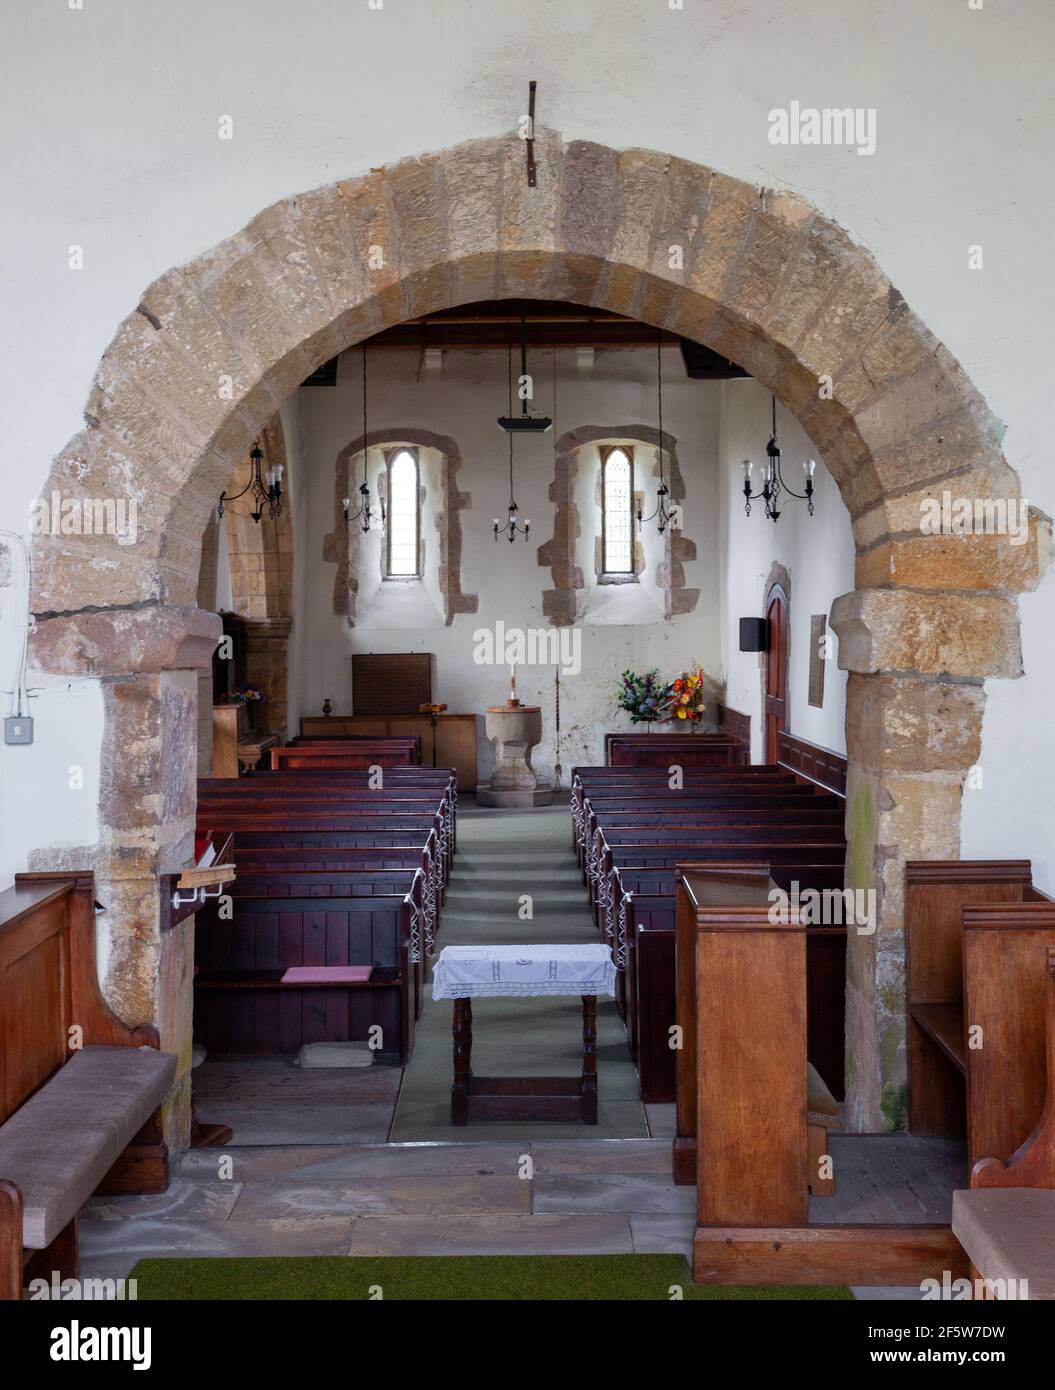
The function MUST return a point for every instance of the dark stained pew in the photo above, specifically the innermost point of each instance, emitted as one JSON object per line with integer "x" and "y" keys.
{"x": 633, "y": 829}
{"x": 651, "y": 750}
{"x": 648, "y": 923}
{"x": 242, "y": 1004}
{"x": 357, "y": 755}
{"x": 333, "y": 872}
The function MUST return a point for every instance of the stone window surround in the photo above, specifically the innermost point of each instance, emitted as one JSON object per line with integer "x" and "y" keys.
{"x": 764, "y": 279}
{"x": 559, "y": 604}
{"x": 340, "y": 546}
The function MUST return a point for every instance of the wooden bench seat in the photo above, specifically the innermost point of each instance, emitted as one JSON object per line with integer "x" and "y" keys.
{"x": 80, "y": 1091}
{"x": 1008, "y": 1234}
{"x": 60, "y": 1145}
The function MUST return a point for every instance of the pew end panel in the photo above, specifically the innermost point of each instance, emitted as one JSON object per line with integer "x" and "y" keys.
{"x": 936, "y": 892}
{"x": 1002, "y": 1097}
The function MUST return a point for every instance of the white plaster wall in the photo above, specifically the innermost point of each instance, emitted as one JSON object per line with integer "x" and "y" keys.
{"x": 463, "y": 401}
{"x": 816, "y": 551}
{"x": 110, "y": 117}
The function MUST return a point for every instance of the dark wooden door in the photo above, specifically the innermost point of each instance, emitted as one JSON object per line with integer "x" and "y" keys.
{"x": 775, "y": 703}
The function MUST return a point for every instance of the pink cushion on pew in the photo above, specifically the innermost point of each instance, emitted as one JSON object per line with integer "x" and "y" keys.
{"x": 327, "y": 974}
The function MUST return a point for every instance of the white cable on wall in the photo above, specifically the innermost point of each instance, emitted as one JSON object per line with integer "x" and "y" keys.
{"x": 19, "y": 693}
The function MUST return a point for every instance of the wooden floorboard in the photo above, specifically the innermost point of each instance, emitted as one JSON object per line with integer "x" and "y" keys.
{"x": 891, "y": 1178}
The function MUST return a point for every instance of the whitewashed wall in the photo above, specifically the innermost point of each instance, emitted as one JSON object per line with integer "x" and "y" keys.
{"x": 110, "y": 115}
{"x": 816, "y": 551}
{"x": 463, "y": 401}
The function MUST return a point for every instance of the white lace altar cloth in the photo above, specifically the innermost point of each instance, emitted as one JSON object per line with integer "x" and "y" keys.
{"x": 489, "y": 972}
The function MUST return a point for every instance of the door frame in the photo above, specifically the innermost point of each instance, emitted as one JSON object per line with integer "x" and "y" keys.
{"x": 776, "y": 591}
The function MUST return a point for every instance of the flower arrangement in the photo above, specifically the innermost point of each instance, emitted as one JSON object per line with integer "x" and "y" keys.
{"x": 643, "y": 697}
{"x": 241, "y": 694}
{"x": 684, "y": 701}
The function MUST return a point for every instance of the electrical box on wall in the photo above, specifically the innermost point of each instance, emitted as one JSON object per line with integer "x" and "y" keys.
{"x": 754, "y": 635}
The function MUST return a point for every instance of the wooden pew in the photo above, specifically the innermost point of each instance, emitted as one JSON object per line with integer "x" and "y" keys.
{"x": 340, "y": 755}
{"x": 1006, "y": 1222}
{"x": 662, "y": 750}
{"x": 752, "y": 1218}
{"x": 411, "y": 742}
{"x": 80, "y": 1092}
{"x": 243, "y": 1004}
{"x": 243, "y": 1001}
{"x": 650, "y": 899}
{"x": 975, "y": 936}
{"x": 752, "y": 813}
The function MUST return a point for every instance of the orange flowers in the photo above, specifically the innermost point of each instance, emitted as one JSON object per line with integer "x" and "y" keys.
{"x": 685, "y": 699}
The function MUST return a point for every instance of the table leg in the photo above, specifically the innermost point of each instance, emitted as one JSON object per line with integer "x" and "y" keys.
{"x": 462, "y": 1037}
{"x": 589, "y": 1059}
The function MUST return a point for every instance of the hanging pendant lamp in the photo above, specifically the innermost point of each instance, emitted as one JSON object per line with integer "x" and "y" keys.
{"x": 773, "y": 484}
{"x": 661, "y": 513}
{"x": 366, "y": 512}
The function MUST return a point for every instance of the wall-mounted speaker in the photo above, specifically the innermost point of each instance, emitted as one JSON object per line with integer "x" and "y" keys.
{"x": 754, "y": 635}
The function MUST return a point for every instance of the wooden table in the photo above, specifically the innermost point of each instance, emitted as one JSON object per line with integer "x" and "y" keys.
{"x": 515, "y": 970}
{"x": 557, "y": 1098}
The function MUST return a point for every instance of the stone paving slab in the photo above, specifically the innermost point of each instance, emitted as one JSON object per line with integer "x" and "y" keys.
{"x": 325, "y": 1163}
{"x": 662, "y": 1235}
{"x": 492, "y": 1235}
{"x": 264, "y": 1122}
{"x": 275, "y": 1080}
{"x": 186, "y": 1200}
{"x": 662, "y": 1121}
{"x": 427, "y": 1196}
{"x": 612, "y": 1192}
{"x": 601, "y": 1156}
{"x": 114, "y": 1240}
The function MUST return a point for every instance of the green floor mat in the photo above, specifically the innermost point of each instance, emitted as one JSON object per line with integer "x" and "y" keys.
{"x": 456, "y": 1277}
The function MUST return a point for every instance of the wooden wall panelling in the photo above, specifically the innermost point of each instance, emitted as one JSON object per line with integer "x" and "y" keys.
{"x": 736, "y": 725}
{"x": 391, "y": 682}
{"x": 821, "y": 765}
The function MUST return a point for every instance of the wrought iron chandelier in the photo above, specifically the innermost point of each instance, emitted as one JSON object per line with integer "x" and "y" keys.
{"x": 664, "y": 514}
{"x": 513, "y": 526}
{"x": 366, "y": 512}
{"x": 266, "y": 489}
{"x": 773, "y": 484}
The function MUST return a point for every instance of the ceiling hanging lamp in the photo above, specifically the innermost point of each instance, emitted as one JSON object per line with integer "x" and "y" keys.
{"x": 366, "y": 512}
{"x": 773, "y": 484}
{"x": 513, "y": 526}
{"x": 662, "y": 514}
{"x": 266, "y": 489}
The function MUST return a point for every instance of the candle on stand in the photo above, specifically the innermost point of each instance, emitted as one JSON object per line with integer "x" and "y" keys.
{"x": 513, "y": 684}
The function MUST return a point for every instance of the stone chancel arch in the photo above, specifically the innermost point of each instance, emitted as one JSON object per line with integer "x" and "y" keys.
{"x": 213, "y": 348}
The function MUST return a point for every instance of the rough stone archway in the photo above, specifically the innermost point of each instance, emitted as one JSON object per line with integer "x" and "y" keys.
{"x": 213, "y": 348}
